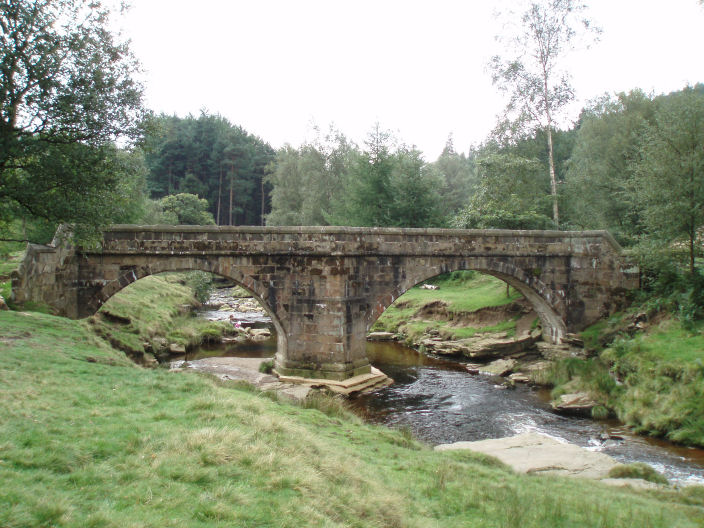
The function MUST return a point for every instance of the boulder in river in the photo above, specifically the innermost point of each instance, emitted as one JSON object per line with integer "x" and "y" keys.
{"x": 500, "y": 367}
{"x": 176, "y": 349}
{"x": 577, "y": 403}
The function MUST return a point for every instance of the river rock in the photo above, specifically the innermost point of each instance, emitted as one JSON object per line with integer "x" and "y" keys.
{"x": 500, "y": 367}
{"x": 554, "y": 352}
{"x": 577, "y": 403}
{"x": 177, "y": 349}
{"x": 491, "y": 345}
{"x": 160, "y": 344}
{"x": 519, "y": 377}
{"x": 381, "y": 336}
{"x": 149, "y": 361}
{"x": 537, "y": 453}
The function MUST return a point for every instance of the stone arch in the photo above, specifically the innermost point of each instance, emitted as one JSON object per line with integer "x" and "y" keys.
{"x": 549, "y": 306}
{"x": 132, "y": 274}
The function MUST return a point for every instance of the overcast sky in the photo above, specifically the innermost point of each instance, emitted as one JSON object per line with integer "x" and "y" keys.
{"x": 277, "y": 67}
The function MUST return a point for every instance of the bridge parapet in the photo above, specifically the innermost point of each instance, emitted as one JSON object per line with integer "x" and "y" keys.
{"x": 353, "y": 241}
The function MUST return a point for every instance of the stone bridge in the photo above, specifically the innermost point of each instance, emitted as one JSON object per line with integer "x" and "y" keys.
{"x": 325, "y": 286}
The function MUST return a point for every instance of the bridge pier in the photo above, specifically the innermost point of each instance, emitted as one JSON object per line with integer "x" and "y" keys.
{"x": 324, "y": 321}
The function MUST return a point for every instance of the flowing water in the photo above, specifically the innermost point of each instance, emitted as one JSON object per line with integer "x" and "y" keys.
{"x": 442, "y": 403}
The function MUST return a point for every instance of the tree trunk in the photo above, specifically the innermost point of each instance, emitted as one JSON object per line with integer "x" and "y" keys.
{"x": 692, "y": 238}
{"x": 217, "y": 218}
{"x": 261, "y": 218}
{"x": 553, "y": 180}
{"x": 231, "y": 178}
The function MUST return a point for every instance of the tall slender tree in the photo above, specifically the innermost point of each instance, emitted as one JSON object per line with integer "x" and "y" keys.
{"x": 531, "y": 73}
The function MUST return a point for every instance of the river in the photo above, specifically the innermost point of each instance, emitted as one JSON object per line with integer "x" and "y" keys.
{"x": 442, "y": 403}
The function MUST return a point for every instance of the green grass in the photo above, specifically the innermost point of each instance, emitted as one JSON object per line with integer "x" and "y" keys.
{"x": 638, "y": 470}
{"x": 653, "y": 381}
{"x": 88, "y": 439}
{"x": 154, "y": 307}
{"x": 463, "y": 292}
{"x": 10, "y": 262}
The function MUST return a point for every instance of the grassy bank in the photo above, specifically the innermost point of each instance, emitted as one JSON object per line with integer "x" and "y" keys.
{"x": 652, "y": 381}
{"x": 459, "y": 293}
{"x": 151, "y": 312}
{"x": 89, "y": 439}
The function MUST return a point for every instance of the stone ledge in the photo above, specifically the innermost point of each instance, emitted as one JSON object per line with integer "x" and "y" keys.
{"x": 361, "y": 383}
{"x": 364, "y": 231}
{"x": 535, "y": 453}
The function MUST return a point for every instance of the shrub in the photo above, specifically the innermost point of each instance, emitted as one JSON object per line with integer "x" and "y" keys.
{"x": 266, "y": 367}
{"x": 201, "y": 283}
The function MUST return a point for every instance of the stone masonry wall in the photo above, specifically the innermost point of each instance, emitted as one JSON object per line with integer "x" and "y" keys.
{"x": 325, "y": 286}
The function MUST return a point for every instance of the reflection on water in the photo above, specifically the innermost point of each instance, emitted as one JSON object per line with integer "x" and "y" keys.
{"x": 442, "y": 403}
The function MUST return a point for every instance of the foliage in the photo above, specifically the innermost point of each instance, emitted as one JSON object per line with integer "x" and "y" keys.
{"x": 458, "y": 178}
{"x": 652, "y": 381}
{"x": 305, "y": 180}
{"x": 210, "y": 157}
{"x": 669, "y": 172}
{"x": 666, "y": 285}
{"x": 510, "y": 194}
{"x": 599, "y": 190}
{"x": 66, "y": 94}
{"x": 387, "y": 185}
{"x": 201, "y": 283}
{"x": 188, "y": 209}
{"x": 266, "y": 367}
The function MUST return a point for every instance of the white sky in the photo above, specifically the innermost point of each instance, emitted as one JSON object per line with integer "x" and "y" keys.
{"x": 275, "y": 67}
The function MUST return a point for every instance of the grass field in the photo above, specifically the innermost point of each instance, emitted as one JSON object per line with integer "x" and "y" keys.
{"x": 463, "y": 292}
{"x": 88, "y": 439}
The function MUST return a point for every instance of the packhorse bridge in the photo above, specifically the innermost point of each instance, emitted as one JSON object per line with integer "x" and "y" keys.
{"x": 325, "y": 286}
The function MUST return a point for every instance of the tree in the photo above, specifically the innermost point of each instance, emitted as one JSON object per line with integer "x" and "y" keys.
{"x": 188, "y": 208}
{"x": 388, "y": 185}
{"x": 305, "y": 180}
{"x": 414, "y": 190}
{"x": 460, "y": 179}
{"x": 509, "y": 194}
{"x": 67, "y": 93}
{"x": 366, "y": 198}
{"x": 598, "y": 191}
{"x": 669, "y": 172}
{"x": 538, "y": 89}
{"x": 213, "y": 158}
